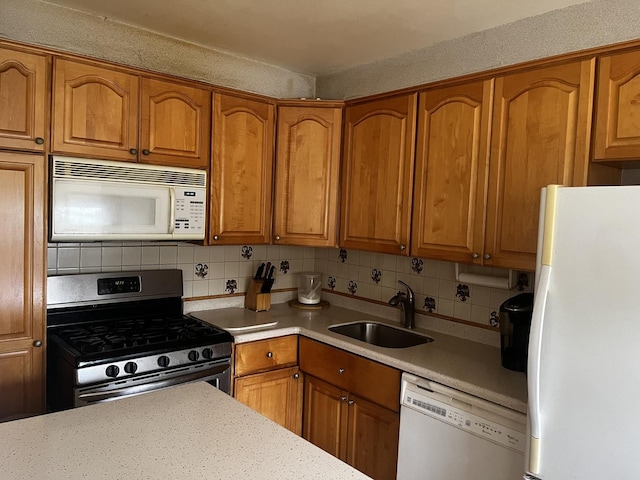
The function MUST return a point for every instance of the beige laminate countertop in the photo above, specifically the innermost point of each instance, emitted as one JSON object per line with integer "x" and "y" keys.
{"x": 192, "y": 431}
{"x": 468, "y": 366}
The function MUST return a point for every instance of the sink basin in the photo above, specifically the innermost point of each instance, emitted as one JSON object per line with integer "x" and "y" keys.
{"x": 380, "y": 335}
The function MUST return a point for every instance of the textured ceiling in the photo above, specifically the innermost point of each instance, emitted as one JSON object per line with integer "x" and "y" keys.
{"x": 316, "y": 36}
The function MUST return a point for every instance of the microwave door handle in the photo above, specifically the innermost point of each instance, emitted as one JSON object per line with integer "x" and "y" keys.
{"x": 172, "y": 209}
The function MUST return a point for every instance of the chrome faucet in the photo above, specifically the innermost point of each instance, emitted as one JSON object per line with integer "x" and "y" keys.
{"x": 407, "y": 302}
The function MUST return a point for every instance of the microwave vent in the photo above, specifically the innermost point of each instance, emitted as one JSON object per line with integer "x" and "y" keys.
{"x": 122, "y": 172}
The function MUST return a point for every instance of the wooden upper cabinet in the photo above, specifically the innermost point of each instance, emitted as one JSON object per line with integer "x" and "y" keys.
{"x": 23, "y": 100}
{"x": 95, "y": 111}
{"x": 540, "y": 136}
{"x": 377, "y": 183}
{"x": 22, "y": 327}
{"x": 307, "y": 170}
{"x": 241, "y": 170}
{"x": 451, "y": 172}
{"x": 617, "y": 132}
{"x": 175, "y": 124}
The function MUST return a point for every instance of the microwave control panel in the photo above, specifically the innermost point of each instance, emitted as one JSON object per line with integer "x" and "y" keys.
{"x": 190, "y": 210}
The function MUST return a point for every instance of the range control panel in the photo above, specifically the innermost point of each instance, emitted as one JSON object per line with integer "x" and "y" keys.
{"x": 190, "y": 209}
{"x": 464, "y": 420}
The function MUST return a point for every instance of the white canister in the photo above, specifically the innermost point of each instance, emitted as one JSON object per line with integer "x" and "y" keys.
{"x": 309, "y": 287}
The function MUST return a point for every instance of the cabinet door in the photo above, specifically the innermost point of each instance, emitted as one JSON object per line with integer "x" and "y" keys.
{"x": 241, "y": 170}
{"x": 378, "y": 155}
{"x": 95, "y": 111}
{"x": 372, "y": 445}
{"x": 22, "y": 276}
{"x": 540, "y": 136}
{"x": 307, "y": 169}
{"x": 451, "y": 172}
{"x": 277, "y": 395}
{"x": 617, "y": 132}
{"x": 23, "y": 100}
{"x": 175, "y": 124}
{"x": 325, "y": 416}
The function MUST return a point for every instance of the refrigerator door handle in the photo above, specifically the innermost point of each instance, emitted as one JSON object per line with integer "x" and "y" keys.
{"x": 533, "y": 366}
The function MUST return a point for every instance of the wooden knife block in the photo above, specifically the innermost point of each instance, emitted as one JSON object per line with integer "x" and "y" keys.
{"x": 254, "y": 300}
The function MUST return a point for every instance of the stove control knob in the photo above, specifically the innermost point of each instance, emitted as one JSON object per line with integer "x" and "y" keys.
{"x": 130, "y": 367}
{"x": 112, "y": 371}
{"x": 163, "y": 361}
{"x": 194, "y": 355}
{"x": 207, "y": 353}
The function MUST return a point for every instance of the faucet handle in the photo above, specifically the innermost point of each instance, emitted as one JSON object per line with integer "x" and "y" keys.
{"x": 410, "y": 294}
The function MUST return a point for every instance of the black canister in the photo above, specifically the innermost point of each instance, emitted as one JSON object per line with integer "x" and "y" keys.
{"x": 515, "y": 324}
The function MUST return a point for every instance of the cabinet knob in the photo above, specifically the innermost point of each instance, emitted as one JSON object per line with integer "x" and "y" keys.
{"x": 39, "y": 140}
{"x": 216, "y": 237}
{"x": 474, "y": 255}
{"x": 37, "y": 343}
{"x": 133, "y": 151}
{"x": 351, "y": 402}
{"x": 403, "y": 247}
{"x": 277, "y": 237}
{"x": 296, "y": 376}
{"x": 341, "y": 370}
{"x": 269, "y": 354}
{"x": 486, "y": 256}
{"x": 145, "y": 152}
{"x": 343, "y": 398}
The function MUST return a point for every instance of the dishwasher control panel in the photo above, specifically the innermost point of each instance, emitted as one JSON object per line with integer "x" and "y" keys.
{"x": 463, "y": 418}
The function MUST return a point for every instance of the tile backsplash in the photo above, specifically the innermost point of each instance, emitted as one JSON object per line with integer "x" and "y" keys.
{"x": 225, "y": 270}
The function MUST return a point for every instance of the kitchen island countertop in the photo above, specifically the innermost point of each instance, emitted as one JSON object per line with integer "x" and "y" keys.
{"x": 191, "y": 431}
{"x": 462, "y": 364}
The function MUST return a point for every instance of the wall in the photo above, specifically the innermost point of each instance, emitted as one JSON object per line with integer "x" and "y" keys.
{"x": 226, "y": 270}
{"x": 570, "y": 29}
{"x": 41, "y": 23}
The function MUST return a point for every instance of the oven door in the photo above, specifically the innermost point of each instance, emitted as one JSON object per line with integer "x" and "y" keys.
{"x": 216, "y": 374}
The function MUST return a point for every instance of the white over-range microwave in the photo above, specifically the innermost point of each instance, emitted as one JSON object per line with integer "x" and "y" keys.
{"x": 99, "y": 200}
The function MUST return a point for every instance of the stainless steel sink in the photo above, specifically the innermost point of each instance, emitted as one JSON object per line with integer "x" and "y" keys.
{"x": 380, "y": 335}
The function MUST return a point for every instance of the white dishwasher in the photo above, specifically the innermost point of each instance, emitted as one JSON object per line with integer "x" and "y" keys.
{"x": 450, "y": 435}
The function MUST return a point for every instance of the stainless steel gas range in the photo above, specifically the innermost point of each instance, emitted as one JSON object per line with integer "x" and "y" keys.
{"x": 114, "y": 335}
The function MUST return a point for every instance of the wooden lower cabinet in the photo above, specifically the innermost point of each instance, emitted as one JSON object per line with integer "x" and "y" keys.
{"x": 355, "y": 430}
{"x": 277, "y": 395}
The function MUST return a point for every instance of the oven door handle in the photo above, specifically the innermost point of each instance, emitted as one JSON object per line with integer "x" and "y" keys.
{"x": 100, "y": 396}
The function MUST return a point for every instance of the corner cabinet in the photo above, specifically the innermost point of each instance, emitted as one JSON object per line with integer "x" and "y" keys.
{"x": 377, "y": 184}
{"x": 540, "y": 136}
{"x": 24, "y": 105}
{"x": 617, "y": 131}
{"x": 114, "y": 114}
{"x": 452, "y": 158}
{"x": 22, "y": 277}
{"x": 241, "y": 170}
{"x": 307, "y": 171}
{"x": 269, "y": 381}
{"x": 351, "y": 408}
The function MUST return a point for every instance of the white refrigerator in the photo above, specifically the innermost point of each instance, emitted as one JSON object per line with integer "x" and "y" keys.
{"x": 584, "y": 349}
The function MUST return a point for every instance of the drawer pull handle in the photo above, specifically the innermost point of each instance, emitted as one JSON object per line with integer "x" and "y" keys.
{"x": 296, "y": 376}
{"x": 351, "y": 402}
{"x": 343, "y": 398}
{"x": 269, "y": 355}
{"x": 341, "y": 371}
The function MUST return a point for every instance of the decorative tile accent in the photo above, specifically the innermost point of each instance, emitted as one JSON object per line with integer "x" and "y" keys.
{"x": 462, "y": 292}
{"x": 284, "y": 266}
{"x": 342, "y": 255}
{"x": 523, "y": 281}
{"x": 231, "y": 286}
{"x": 494, "y": 320}
{"x": 331, "y": 283}
{"x": 353, "y": 287}
{"x": 202, "y": 269}
{"x": 417, "y": 265}
{"x": 247, "y": 252}
{"x": 430, "y": 304}
{"x": 376, "y": 275}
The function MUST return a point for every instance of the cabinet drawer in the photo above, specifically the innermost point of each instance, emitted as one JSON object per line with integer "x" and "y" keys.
{"x": 266, "y": 355}
{"x": 366, "y": 378}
